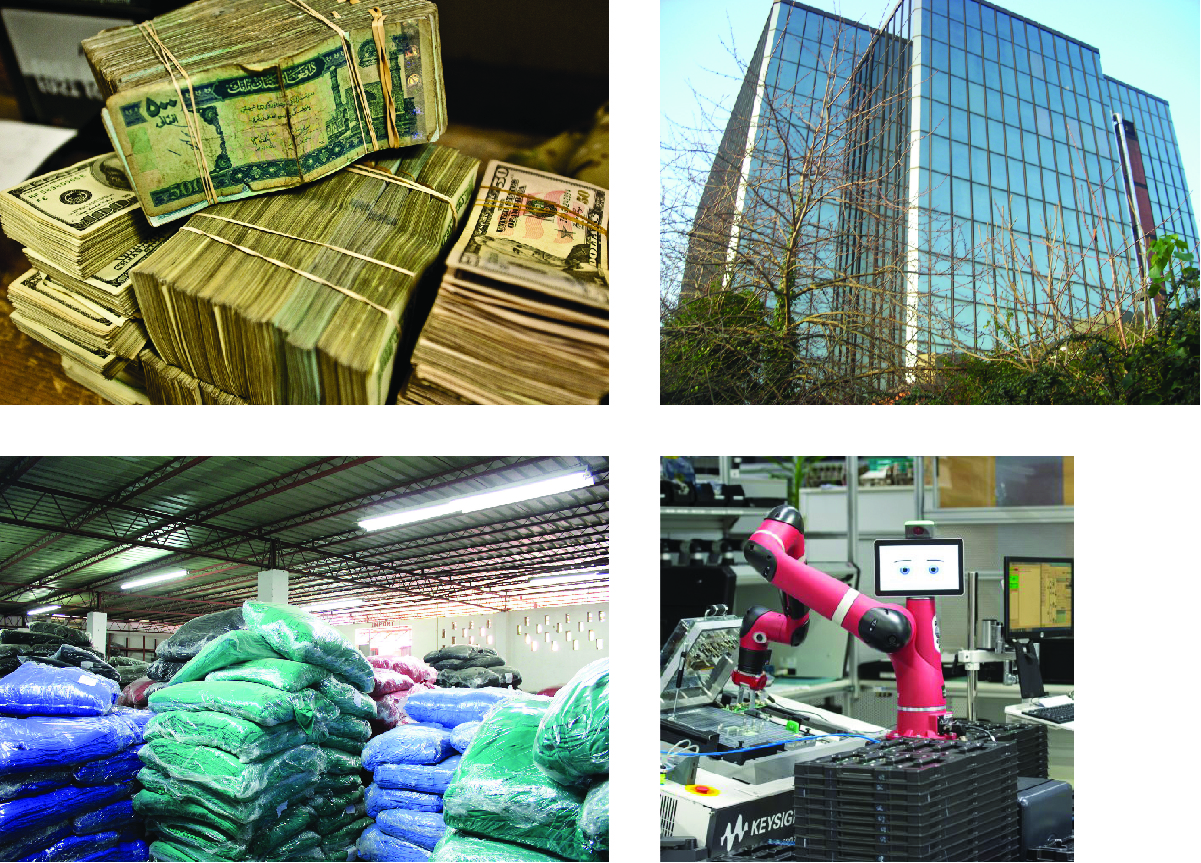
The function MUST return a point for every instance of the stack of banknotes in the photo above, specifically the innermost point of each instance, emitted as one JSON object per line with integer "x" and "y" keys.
{"x": 83, "y": 231}
{"x": 223, "y": 99}
{"x": 303, "y": 297}
{"x": 522, "y": 315}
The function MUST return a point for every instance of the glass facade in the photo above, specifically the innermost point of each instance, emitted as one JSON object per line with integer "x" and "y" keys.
{"x": 997, "y": 142}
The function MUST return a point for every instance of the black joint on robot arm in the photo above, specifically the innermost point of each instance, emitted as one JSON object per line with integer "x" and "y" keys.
{"x": 798, "y": 634}
{"x": 788, "y": 515}
{"x": 750, "y": 618}
{"x": 885, "y": 629}
{"x": 761, "y": 559}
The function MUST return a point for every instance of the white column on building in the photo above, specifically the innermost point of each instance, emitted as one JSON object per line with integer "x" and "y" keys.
{"x": 97, "y": 629}
{"x": 273, "y": 586}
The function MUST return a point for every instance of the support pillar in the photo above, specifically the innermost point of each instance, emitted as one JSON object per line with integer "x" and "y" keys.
{"x": 273, "y": 586}
{"x": 97, "y": 630}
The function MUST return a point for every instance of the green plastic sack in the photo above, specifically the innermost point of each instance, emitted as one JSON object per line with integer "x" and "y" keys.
{"x": 499, "y": 792}
{"x": 223, "y": 773}
{"x": 170, "y": 852}
{"x": 305, "y": 845}
{"x": 240, "y": 737}
{"x": 348, "y": 699}
{"x": 262, "y": 705}
{"x": 294, "y": 788}
{"x": 279, "y": 673}
{"x": 333, "y": 824}
{"x": 328, "y": 806}
{"x": 352, "y": 747}
{"x": 337, "y": 783}
{"x": 301, "y": 636}
{"x": 344, "y": 837}
{"x": 338, "y": 761}
{"x": 153, "y": 806}
{"x": 232, "y": 648}
{"x": 196, "y": 837}
{"x": 594, "y": 818}
{"x": 456, "y": 846}
{"x": 290, "y": 823}
{"x": 349, "y": 727}
{"x": 572, "y": 744}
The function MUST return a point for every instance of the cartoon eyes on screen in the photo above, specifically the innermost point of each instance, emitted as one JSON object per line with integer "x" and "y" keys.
{"x": 904, "y": 567}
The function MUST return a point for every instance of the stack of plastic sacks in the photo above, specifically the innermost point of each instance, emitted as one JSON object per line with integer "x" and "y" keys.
{"x": 52, "y": 644}
{"x": 472, "y": 667}
{"x": 68, "y": 758}
{"x": 533, "y": 784}
{"x": 396, "y": 678}
{"x": 253, "y": 750}
{"x": 412, "y": 766}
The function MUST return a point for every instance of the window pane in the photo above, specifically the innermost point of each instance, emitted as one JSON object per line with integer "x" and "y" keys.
{"x": 981, "y": 202}
{"x": 960, "y": 162}
{"x": 976, "y": 98}
{"x": 940, "y": 118}
{"x": 940, "y": 191}
{"x": 979, "y": 165}
{"x": 962, "y": 198}
{"x": 1017, "y": 182}
{"x": 958, "y": 61}
{"x": 996, "y": 164}
{"x": 958, "y": 92}
{"x": 958, "y": 125}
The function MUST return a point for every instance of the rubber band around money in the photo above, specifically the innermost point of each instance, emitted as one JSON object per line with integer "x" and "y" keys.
{"x": 385, "y": 75}
{"x": 389, "y": 313}
{"x": 381, "y": 174}
{"x": 167, "y": 58}
{"x": 560, "y": 210}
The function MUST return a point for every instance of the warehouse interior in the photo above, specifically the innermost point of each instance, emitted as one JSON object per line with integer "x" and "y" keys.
{"x": 778, "y": 678}
{"x": 426, "y": 591}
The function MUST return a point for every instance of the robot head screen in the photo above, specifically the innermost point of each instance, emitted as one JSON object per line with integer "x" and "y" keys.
{"x": 919, "y": 567}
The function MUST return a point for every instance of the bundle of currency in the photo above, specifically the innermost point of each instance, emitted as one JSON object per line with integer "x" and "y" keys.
{"x": 127, "y": 388}
{"x": 582, "y": 155}
{"x": 38, "y": 299}
{"x": 522, "y": 315}
{"x": 97, "y": 359}
{"x": 170, "y": 385}
{"x": 224, "y": 99}
{"x": 304, "y": 296}
{"x": 79, "y": 220}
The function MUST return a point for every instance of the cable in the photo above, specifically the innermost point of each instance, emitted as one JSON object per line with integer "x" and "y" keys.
{"x": 760, "y": 746}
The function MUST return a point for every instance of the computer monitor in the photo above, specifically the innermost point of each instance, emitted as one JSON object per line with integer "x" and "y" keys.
{"x": 919, "y": 567}
{"x": 1038, "y": 597}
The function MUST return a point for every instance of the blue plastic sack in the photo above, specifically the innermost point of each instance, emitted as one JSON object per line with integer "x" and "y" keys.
{"x": 29, "y": 813}
{"x": 462, "y": 734}
{"x": 35, "y": 689}
{"x": 35, "y": 741}
{"x": 379, "y": 799}
{"x": 34, "y": 782}
{"x": 73, "y": 847}
{"x": 422, "y": 829}
{"x": 129, "y": 850}
{"x": 32, "y": 841}
{"x": 138, "y": 717}
{"x": 407, "y": 744}
{"x": 114, "y": 816}
{"x": 428, "y": 778}
{"x": 374, "y": 844}
{"x": 452, "y": 707}
{"x": 122, "y": 767}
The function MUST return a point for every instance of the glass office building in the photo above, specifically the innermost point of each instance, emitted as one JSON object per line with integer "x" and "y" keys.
{"x": 985, "y": 134}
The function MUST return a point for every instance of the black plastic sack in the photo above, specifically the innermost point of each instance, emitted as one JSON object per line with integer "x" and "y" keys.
{"x": 32, "y": 742}
{"x": 42, "y": 690}
{"x": 114, "y": 816}
{"x": 408, "y": 744}
{"x": 378, "y": 799}
{"x": 469, "y": 678}
{"x": 499, "y": 792}
{"x": 463, "y": 848}
{"x": 122, "y": 767}
{"x": 86, "y": 659}
{"x": 572, "y": 745}
{"x": 450, "y": 708}
{"x": 488, "y": 660}
{"x": 163, "y": 670}
{"x": 197, "y": 632}
{"x": 27, "y": 784}
{"x": 422, "y": 829}
{"x": 458, "y": 651}
{"x": 508, "y": 675}
{"x": 20, "y": 636}
{"x": 64, "y": 634}
{"x": 126, "y": 662}
{"x": 427, "y": 778}
{"x": 374, "y": 844}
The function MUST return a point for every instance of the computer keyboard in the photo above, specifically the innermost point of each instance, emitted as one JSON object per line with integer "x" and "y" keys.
{"x": 1059, "y": 715}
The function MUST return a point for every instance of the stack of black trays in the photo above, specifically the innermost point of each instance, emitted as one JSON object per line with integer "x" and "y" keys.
{"x": 909, "y": 799}
{"x": 1030, "y": 740}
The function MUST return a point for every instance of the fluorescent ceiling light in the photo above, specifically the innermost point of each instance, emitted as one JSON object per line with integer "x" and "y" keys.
{"x": 484, "y": 500}
{"x": 331, "y": 604}
{"x": 561, "y": 577}
{"x": 154, "y": 579}
{"x": 43, "y": 609}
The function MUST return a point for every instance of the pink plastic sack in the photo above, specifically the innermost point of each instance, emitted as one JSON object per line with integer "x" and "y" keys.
{"x": 410, "y": 666}
{"x": 390, "y": 709}
{"x": 138, "y": 693}
{"x": 388, "y": 681}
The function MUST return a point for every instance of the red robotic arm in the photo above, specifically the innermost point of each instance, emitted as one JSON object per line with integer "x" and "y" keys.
{"x": 906, "y": 634}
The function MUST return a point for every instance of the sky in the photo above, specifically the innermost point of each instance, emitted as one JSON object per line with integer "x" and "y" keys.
{"x": 1154, "y": 45}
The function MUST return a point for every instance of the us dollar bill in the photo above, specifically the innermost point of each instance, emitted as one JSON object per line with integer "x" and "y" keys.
{"x": 540, "y": 231}
{"x": 77, "y": 200}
